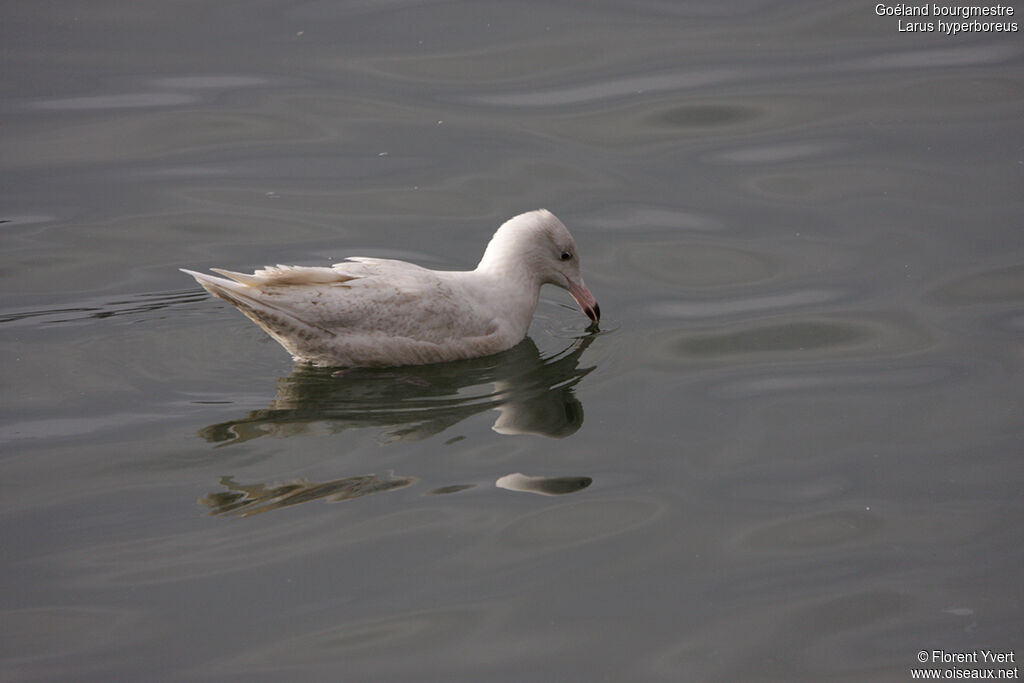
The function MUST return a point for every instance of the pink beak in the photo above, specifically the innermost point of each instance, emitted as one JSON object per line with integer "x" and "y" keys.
{"x": 585, "y": 300}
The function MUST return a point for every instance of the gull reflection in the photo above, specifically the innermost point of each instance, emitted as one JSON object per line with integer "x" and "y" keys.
{"x": 545, "y": 486}
{"x": 532, "y": 394}
{"x": 245, "y": 500}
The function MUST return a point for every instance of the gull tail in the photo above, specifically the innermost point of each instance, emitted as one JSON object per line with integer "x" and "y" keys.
{"x": 244, "y": 293}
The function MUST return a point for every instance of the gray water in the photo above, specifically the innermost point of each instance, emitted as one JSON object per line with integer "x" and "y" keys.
{"x": 792, "y": 451}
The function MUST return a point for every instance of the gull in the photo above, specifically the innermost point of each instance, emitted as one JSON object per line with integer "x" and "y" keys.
{"x": 371, "y": 312}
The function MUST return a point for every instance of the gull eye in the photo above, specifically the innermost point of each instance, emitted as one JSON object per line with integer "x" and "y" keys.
{"x": 565, "y": 256}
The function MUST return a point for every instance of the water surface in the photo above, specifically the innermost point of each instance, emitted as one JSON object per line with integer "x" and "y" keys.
{"x": 792, "y": 451}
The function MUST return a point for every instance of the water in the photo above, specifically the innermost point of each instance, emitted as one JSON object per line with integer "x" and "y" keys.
{"x": 791, "y": 453}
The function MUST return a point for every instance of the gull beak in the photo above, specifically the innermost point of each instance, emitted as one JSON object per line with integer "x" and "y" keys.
{"x": 584, "y": 299}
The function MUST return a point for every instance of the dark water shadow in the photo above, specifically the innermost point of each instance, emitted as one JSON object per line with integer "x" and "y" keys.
{"x": 533, "y": 394}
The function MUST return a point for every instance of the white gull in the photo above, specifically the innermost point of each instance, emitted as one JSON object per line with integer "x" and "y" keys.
{"x": 384, "y": 312}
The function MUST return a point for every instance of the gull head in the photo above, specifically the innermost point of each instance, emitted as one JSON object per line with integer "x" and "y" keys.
{"x": 541, "y": 244}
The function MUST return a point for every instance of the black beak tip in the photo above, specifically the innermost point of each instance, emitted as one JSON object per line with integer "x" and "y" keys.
{"x": 594, "y": 313}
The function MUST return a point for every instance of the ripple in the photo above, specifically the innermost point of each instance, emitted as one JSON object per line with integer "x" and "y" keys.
{"x": 162, "y": 559}
{"x": 142, "y": 100}
{"x": 332, "y": 647}
{"x": 207, "y": 82}
{"x": 785, "y": 487}
{"x": 717, "y": 308}
{"x": 695, "y": 265}
{"x": 773, "y": 154}
{"x": 805, "y": 335}
{"x": 995, "y": 286}
{"x": 937, "y": 58}
{"x": 891, "y": 378}
{"x": 26, "y": 219}
{"x": 139, "y": 306}
{"x": 576, "y": 523}
{"x": 1014, "y": 322}
{"x": 611, "y": 88}
{"x": 646, "y": 217}
{"x": 801, "y": 338}
{"x": 450, "y": 642}
{"x": 149, "y": 128}
{"x": 705, "y": 115}
{"x": 149, "y": 99}
{"x": 821, "y": 530}
{"x": 819, "y": 184}
{"x": 51, "y": 641}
